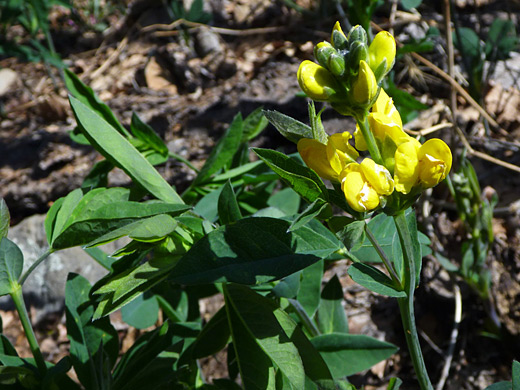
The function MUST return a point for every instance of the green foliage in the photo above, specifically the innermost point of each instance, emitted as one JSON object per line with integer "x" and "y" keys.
{"x": 195, "y": 14}
{"x": 11, "y": 264}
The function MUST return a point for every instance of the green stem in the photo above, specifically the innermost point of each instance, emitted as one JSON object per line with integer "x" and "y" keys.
{"x": 306, "y": 320}
{"x": 33, "y": 266}
{"x": 406, "y": 304}
{"x": 382, "y": 255}
{"x": 369, "y": 139}
{"x": 177, "y": 157}
{"x": 16, "y": 294}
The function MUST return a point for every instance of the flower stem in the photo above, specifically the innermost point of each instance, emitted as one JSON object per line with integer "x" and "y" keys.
{"x": 33, "y": 266}
{"x": 406, "y": 304}
{"x": 16, "y": 294}
{"x": 382, "y": 255}
{"x": 369, "y": 139}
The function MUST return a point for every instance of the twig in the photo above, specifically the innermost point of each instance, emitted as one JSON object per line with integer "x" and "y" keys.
{"x": 219, "y": 30}
{"x": 453, "y": 337}
{"x": 391, "y": 19}
{"x": 110, "y": 60}
{"x": 346, "y": 24}
{"x": 429, "y": 130}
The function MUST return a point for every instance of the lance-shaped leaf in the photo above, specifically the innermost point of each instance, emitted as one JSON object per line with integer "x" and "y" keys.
{"x": 238, "y": 252}
{"x": 348, "y": 354}
{"x": 11, "y": 265}
{"x": 4, "y": 218}
{"x": 290, "y": 128}
{"x": 117, "y": 149}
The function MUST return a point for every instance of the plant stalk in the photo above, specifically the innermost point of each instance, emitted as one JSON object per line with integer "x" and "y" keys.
{"x": 33, "y": 266}
{"x": 369, "y": 139}
{"x": 19, "y": 303}
{"x": 406, "y": 306}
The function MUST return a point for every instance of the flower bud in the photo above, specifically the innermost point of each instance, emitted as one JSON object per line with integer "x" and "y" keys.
{"x": 317, "y": 82}
{"x": 357, "y": 34}
{"x": 382, "y": 49}
{"x": 358, "y": 52}
{"x": 364, "y": 89}
{"x": 338, "y": 38}
{"x": 322, "y": 52}
{"x": 336, "y": 64}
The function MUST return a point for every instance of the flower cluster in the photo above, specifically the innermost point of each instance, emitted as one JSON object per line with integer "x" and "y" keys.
{"x": 348, "y": 77}
{"x": 350, "y": 71}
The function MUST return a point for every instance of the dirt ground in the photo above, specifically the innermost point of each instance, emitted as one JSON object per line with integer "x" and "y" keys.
{"x": 189, "y": 81}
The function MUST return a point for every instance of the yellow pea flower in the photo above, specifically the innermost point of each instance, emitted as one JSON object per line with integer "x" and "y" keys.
{"x": 316, "y": 81}
{"x": 314, "y": 154}
{"x": 406, "y": 169}
{"x": 328, "y": 160}
{"x": 358, "y": 192}
{"x": 378, "y": 177}
{"x": 364, "y": 184}
{"x": 364, "y": 88}
{"x": 434, "y": 162}
{"x": 382, "y": 48}
{"x": 426, "y": 165}
{"x": 385, "y": 105}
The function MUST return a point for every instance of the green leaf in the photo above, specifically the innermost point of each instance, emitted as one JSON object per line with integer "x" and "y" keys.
{"x": 228, "y": 210}
{"x": 504, "y": 385}
{"x": 5, "y": 218}
{"x": 310, "y": 288}
{"x": 252, "y": 320}
{"x": 375, "y": 280}
{"x": 285, "y": 200}
{"x": 331, "y": 316}
{"x": 254, "y": 124}
{"x": 315, "y": 209}
{"x": 89, "y": 341}
{"x": 501, "y": 40}
{"x": 516, "y": 375}
{"x": 147, "y": 135}
{"x": 11, "y": 265}
{"x": 394, "y": 384}
{"x": 213, "y": 337}
{"x": 123, "y": 287}
{"x": 223, "y": 152}
{"x": 95, "y": 226}
{"x": 237, "y": 253}
{"x": 302, "y": 179}
{"x": 117, "y": 149}
{"x": 142, "y": 312}
{"x": 348, "y": 354}
{"x": 98, "y": 175}
{"x": 101, "y": 257}
{"x": 290, "y": 128}
{"x": 409, "y": 4}
{"x": 288, "y": 287}
{"x": 469, "y": 44}
{"x": 88, "y": 97}
{"x": 148, "y": 363}
{"x": 352, "y": 235}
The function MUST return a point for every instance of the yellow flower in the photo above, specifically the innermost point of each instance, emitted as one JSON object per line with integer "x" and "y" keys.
{"x": 364, "y": 88}
{"x": 426, "y": 165}
{"x": 434, "y": 162}
{"x": 316, "y": 81}
{"x": 314, "y": 154}
{"x": 328, "y": 160}
{"x": 406, "y": 169}
{"x": 338, "y": 37}
{"x": 382, "y": 48}
{"x": 384, "y": 120}
{"x": 364, "y": 184}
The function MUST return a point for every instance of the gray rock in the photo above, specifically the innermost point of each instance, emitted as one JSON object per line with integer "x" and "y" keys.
{"x": 44, "y": 289}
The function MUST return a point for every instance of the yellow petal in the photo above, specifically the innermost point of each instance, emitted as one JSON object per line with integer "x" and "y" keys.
{"x": 316, "y": 81}
{"x": 359, "y": 139}
{"x": 406, "y": 170}
{"x": 314, "y": 154}
{"x": 358, "y": 192}
{"x": 338, "y": 144}
{"x": 383, "y": 126}
{"x": 434, "y": 162}
{"x": 385, "y": 105}
{"x": 365, "y": 87}
{"x": 381, "y": 48}
{"x": 378, "y": 177}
